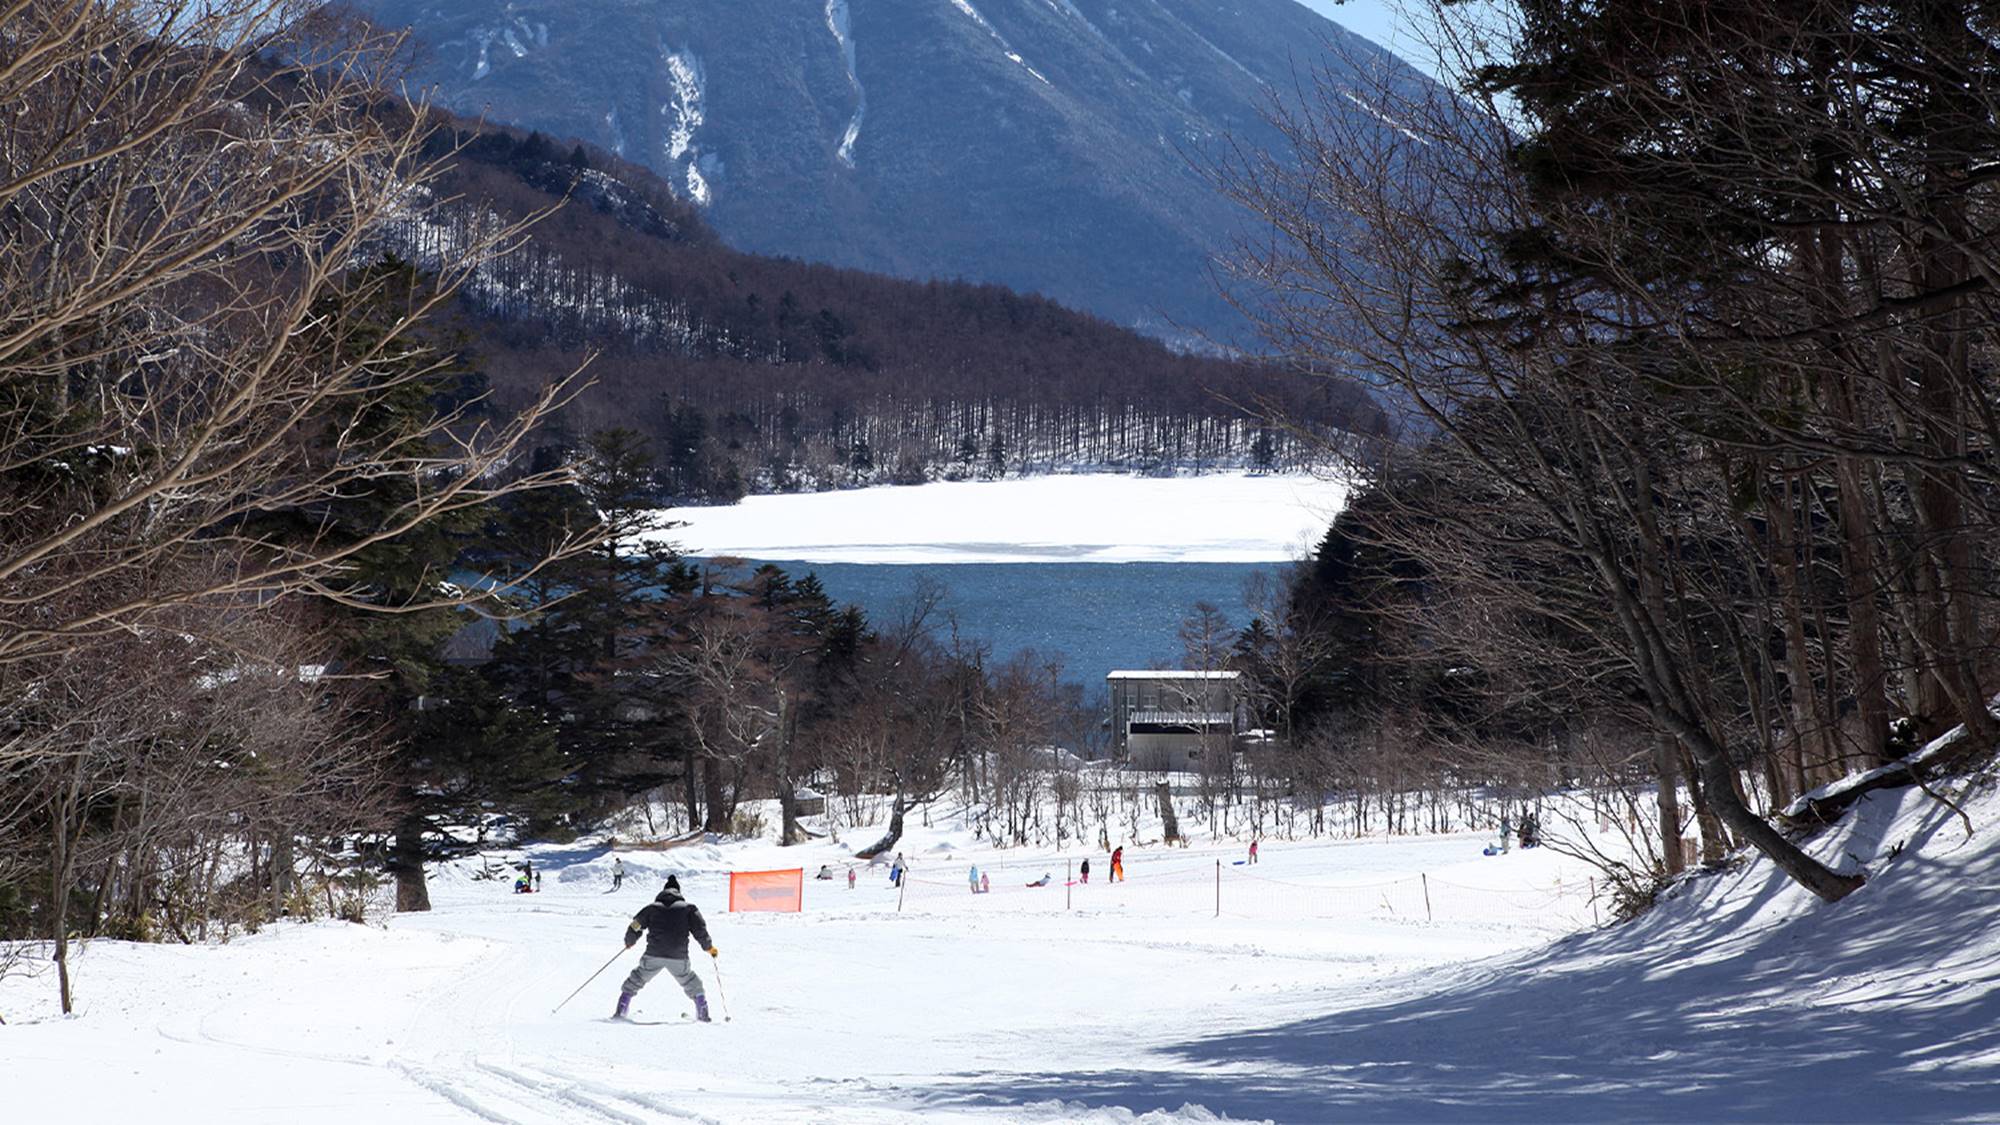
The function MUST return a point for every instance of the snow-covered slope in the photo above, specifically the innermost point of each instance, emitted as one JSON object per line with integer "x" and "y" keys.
{"x": 1315, "y": 996}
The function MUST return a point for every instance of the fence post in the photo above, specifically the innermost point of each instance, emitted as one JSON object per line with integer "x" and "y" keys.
{"x": 1218, "y": 888}
{"x": 1069, "y": 882}
{"x": 1427, "y": 895}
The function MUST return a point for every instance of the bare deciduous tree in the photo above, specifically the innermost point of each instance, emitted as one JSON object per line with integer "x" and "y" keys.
{"x": 177, "y": 208}
{"x": 1697, "y": 333}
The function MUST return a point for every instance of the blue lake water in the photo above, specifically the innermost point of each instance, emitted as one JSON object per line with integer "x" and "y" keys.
{"x": 1098, "y": 616}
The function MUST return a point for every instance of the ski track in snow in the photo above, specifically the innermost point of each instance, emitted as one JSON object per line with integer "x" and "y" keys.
{"x": 839, "y": 22}
{"x": 1005, "y": 48}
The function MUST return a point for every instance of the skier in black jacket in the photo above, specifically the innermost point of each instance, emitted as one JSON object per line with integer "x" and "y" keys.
{"x": 667, "y": 921}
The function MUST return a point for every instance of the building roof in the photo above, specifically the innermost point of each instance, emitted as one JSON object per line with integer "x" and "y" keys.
{"x": 1166, "y": 674}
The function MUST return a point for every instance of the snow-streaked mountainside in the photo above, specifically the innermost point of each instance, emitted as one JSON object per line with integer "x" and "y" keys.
{"x": 1085, "y": 517}
{"x": 1382, "y": 979}
{"x": 1041, "y": 144}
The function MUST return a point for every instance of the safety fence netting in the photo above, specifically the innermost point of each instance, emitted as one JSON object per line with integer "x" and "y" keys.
{"x": 1199, "y": 886}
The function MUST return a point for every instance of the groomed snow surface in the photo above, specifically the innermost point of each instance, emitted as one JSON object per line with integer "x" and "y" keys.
{"x": 1085, "y": 517}
{"x": 1322, "y": 993}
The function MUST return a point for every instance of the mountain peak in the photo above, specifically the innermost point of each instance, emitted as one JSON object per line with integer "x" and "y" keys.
{"x": 1048, "y": 145}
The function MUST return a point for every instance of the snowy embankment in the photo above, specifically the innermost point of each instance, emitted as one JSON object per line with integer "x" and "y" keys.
{"x": 1320, "y": 993}
{"x": 1083, "y": 517}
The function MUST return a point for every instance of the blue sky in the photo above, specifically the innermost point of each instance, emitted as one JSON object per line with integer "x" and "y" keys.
{"x": 1379, "y": 20}
{"x": 1375, "y": 19}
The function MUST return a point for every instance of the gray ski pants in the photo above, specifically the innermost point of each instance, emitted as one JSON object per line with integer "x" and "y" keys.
{"x": 650, "y": 967}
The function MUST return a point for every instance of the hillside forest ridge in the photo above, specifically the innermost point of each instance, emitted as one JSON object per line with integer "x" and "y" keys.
{"x": 756, "y": 374}
{"x": 336, "y": 435}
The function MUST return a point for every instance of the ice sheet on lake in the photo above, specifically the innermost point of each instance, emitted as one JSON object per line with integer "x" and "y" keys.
{"x": 1225, "y": 517}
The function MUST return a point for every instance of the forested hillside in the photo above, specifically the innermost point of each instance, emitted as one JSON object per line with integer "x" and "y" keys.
{"x": 753, "y": 373}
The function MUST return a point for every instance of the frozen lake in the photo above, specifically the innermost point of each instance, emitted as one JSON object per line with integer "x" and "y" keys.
{"x": 1097, "y": 518}
{"x": 1098, "y": 568}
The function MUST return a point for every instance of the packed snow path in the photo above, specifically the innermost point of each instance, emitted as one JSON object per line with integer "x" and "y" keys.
{"x": 1741, "y": 999}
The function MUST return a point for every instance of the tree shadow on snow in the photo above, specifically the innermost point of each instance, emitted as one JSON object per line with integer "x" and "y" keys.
{"x": 1737, "y": 1001}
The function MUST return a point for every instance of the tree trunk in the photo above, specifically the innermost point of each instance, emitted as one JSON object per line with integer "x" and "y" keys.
{"x": 716, "y": 819}
{"x": 1808, "y": 872}
{"x": 1666, "y": 760}
{"x": 406, "y": 862}
{"x": 1857, "y": 554}
{"x": 1170, "y": 825}
{"x": 1864, "y": 637}
{"x": 59, "y": 908}
{"x": 284, "y": 861}
{"x": 1715, "y": 841}
{"x": 65, "y": 809}
{"x": 1654, "y": 661}
{"x": 1812, "y": 727}
{"x": 890, "y": 837}
{"x": 1652, "y": 587}
{"x": 689, "y": 795}
{"x": 789, "y": 832}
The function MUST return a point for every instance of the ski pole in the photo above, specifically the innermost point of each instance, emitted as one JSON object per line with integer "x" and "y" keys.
{"x": 721, "y": 993}
{"x": 586, "y": 983}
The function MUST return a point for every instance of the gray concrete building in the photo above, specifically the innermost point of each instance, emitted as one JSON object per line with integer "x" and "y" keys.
{"x": 1174, "y": 720}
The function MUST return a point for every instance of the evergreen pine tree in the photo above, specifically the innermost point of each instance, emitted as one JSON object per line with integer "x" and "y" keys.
{"x": 411, "y": 574}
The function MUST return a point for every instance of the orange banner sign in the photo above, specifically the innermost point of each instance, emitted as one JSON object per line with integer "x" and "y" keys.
{"x": 782, "y": 891}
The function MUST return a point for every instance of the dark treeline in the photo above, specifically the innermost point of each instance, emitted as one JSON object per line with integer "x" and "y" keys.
{"x": 764, "y": 374}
